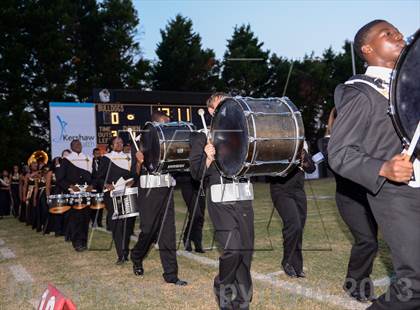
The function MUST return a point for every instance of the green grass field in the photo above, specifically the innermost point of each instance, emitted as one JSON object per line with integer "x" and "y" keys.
{"x": 93, "y": 281}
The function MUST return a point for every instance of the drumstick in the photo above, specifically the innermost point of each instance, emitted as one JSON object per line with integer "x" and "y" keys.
{"x": 413, "y": 144}
{"x": 130, "y": 131}
{"x": 206, "y": 132}
{"x": 201, "y": 113}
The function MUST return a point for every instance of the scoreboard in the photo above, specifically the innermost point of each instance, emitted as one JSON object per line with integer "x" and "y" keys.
{"x": 114, "y": 118}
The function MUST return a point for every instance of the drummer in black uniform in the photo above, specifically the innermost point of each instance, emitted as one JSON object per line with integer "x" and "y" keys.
{"x": 233, "y": 223}
{"x": 157, "y": 218}
{"x": 289, "y": 199}
{"x": 75, "y": 169}
{"x": 365, "y": 148}
{"x": 112, "y": 167}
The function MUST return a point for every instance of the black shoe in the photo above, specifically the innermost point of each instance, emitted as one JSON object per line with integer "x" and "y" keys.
{"x": 179, "y": 282}
{"x": 356, "y": 294}
{"x": 120, "y": 261}
{"x": 199, "y": 248}
{"x": 289, "y": 270}
{"x": 301, "y": 274}
{"x": 79, "y": 248}
{"x": 187, "y": 246}
{"x": 138, "y": 269}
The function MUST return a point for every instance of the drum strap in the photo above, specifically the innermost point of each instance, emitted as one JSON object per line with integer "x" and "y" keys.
{"x": 383, "y": 91}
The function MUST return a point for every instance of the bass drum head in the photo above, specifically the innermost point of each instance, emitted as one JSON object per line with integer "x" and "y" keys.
{"x": 405, "y": 91}
{"x": 230, "y": 136}
{"x": 150, "y": 146}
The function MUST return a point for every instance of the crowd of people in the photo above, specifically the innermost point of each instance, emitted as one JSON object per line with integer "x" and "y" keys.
{"x": 364, "y": 153}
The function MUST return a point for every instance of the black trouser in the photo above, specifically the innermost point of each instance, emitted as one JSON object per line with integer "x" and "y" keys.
{"x": 354, "y": 209}
{"x": 153, "y": 204}
{"x": 195, "y": 217}
{"x": 79, "y": 226}
{"x": 16, "y": 199}
{"x": 234, "y": 231}
{"x": 397, "y": 211}
{"x": 41, "y": 211}
{"x": 22, "y": 212}
{"x": 96, "y": 217}
{"x": 121, "y": 230}
{"x": 291, "y": 205}
{"x": 55, "y": 224}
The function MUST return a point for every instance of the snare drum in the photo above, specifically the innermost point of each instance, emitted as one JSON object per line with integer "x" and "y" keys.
{"x": 97, "y": 201}
{"x": 405, "y": 92}
{"x": 80, "y": 200}
{"x": 125, "y": 203}
{"x": 58, "y": 204}
{"x": 257, "y": 136}
{"x": 166, "y": 146}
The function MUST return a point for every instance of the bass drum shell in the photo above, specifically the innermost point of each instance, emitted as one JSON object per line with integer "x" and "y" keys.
{"x": 166, "y": 146}
{"x": 257, "y": 136}
{"x": 405, "y": 92}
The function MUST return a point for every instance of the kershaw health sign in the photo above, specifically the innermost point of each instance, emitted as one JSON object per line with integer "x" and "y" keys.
{"x": 69, "y": 121}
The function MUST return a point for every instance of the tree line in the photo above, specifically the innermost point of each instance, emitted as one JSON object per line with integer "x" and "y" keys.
{"x": 59, "y": 50}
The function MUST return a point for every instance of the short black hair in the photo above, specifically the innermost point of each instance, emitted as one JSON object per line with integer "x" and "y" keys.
{"x": 73, "y": 142}
{"x": 362, "y": 34}
{"x": 95, "y": 150}
{"x": 66, "y": 150}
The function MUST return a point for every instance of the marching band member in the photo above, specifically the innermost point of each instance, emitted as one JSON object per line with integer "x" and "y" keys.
{"x": 55, "y": 221}
{"x": 112, "y": 167}
{"x": 157, "y": 214}
{"x": 28, "y": 206}
{"x": 5, "y": 194}
{"x": 96, "y": 215}
{"x": 289, "y": 199}
{"x": 366, "y": 149}
{"x": 15, "y": 188}
{"x": 233, "y": 223}
{"x": 353, "y": 205}
{"x": 41, "y": 208}
{"x": 194, "y": 229}
{"x": 22, "y": 206}
{"x": 75, "y": 169}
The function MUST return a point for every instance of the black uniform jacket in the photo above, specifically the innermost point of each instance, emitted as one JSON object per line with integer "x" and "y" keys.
{"x": 363, "y": 136}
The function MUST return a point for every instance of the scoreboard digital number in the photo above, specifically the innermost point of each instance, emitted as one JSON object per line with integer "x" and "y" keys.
{"x": 115, "y": 119}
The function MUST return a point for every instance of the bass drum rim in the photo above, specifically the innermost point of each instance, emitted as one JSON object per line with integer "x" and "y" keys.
{"x": 249, "y": 157}
{"x": 394, "y": 114}
{"x": 162, "y": 140}
{"x": 218, "y": 166}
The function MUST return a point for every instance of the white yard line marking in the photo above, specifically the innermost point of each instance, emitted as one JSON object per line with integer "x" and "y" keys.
{"x": 20, "y": 273}
{"x": 320, "y": 197}
{"x": 316, "y": 294}
{"x": 385, "y": 281}
{"x": 292, "y": 288}
{"x": 1, "y": 242}
{"x": 276, "y": 273}
{"x": 7, "y": 253}
{"x": 295, "y": 289}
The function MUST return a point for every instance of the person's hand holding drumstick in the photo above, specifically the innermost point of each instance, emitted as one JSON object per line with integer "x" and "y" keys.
{"x": 400, "y": 168}
{"x": 210, "y": 152}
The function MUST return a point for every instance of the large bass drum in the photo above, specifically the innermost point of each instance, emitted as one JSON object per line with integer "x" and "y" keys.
{"x": 405, "y": 92}
{"x": 257, "y": 136}
{"x": 166, "y": 146}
